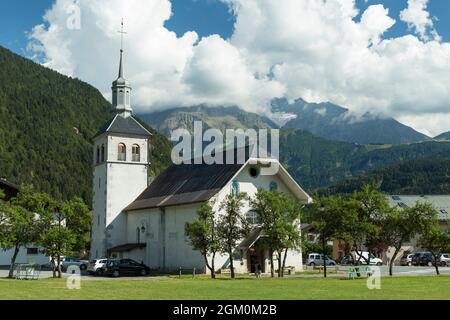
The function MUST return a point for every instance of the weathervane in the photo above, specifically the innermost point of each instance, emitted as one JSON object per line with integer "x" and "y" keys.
{"x": 121, "y": 36}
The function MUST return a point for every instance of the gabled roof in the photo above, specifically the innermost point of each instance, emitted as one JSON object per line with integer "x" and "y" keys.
{"x": 188, "y": 183}
{"x": 124, "y": 125}
{"x": 194, "y": 183}
{"x": 184, "y": 184}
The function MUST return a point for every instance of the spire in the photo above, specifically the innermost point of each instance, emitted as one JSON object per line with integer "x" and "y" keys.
{"x": 121, "y": 50}
{"x": 121, "y": 64}
{"x": 121, "y": 89}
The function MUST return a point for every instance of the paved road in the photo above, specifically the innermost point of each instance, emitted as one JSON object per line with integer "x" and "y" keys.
{"x": 398, "y": 271}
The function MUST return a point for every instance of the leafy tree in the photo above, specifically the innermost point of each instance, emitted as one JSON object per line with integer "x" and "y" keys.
{"x": 22, "y": 225}
{"x": 402, "y": 225}
{"x": 372, "y": 207}
{"x": 331, "y": 217}
{"x": 202, "y": 234}
{"x": 58, "y": 241}
{"x": 434, "y": 240}
{"x": 232, "y": 225}
{"x": 21, "y": 228}
{"x": 78, "y": 219}
{"x": 279, "y": 217}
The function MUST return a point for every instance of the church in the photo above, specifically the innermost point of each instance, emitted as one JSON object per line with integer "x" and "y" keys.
{"x": 145, "y": 221}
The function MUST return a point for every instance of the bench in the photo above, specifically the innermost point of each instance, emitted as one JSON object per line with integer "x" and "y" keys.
{"x": 357, "y": 271}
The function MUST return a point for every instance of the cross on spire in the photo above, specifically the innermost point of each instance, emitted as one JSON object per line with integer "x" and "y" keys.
{"x": 122, "y": 32}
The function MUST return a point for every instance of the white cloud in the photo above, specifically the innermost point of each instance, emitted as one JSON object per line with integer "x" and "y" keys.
{"x": 317, "y": 50}
{"x": 418, "y": 18}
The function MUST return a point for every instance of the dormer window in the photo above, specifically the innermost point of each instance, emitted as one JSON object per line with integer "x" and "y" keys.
{"x": 136, "y": 153}
{"x": 122, "y": 152}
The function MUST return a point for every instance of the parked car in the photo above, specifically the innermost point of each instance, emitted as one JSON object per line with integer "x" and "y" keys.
{"x": 444, "y": 259}
{"x": 125, "y": 267}
{"x": 316, "y": 259}
{"x": 406, "y": 259}
{"x": 363, "y": 257}
{"x": 69, "y": 261}
{"x": 97, "y": 266}
{"x": 422, "y": 259}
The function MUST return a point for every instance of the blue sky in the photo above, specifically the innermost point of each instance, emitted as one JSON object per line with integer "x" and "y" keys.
{"x": 206, "y": 17}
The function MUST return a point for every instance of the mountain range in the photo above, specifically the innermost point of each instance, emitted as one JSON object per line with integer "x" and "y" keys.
{"x": 333, "y": 122}
{"x": 47, "y": 122}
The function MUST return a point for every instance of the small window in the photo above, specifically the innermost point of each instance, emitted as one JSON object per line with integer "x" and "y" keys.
{"x": 32, "y": 251}
{"x": 136, "y": 154}
{"x": 103, "y": 153}
{"x": 138, "y": 235}
{"x": 98, "y": 155}
{"x": 273, "y": 186}
{"x": 122, "y": 152}
{"x": 235, "y": 188}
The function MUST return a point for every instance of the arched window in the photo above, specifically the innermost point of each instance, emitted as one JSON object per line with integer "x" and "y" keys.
{"x": 122, "y": 152}
{"x": 138, "y": 235}
{"x": 136, "y": 155}
{"x": 235, "y": 188}
{"x": 103, "y": 153}
{"x": 98, "y": 154}
{"x": 273, "y": 186}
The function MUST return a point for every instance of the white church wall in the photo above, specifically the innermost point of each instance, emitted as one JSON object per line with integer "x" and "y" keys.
{"x": 98, "y": 249}
{"x": 179, "y": 252}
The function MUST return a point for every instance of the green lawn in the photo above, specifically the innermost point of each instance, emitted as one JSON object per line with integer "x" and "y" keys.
{"x": 172, "y": 288}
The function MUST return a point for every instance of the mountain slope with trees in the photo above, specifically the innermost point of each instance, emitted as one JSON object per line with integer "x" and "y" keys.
{"x": 47, "y": 122}
{"x": 416, "y": 177}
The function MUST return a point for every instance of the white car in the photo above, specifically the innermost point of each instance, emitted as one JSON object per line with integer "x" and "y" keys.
{"x": 363, "y": 256}
{"x": 444, "y": 259}
{"x": 97, "y": 266}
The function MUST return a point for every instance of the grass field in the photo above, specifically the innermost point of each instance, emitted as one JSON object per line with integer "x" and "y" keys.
{"x": 172, "y": 288}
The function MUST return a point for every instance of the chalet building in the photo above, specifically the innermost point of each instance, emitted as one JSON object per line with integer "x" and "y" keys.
{"x": 132, "y": 219}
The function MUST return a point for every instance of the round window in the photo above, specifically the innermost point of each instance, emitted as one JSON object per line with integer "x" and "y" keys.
{"x": 254, "y": 172}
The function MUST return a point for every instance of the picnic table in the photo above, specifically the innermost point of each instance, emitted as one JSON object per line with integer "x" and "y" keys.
{"x": 357, "y": 271}
{"x": 27, "y": 271}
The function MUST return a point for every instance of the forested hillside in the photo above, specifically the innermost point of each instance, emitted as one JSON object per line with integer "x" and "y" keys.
{"x": 47, "y": 122}
{"x": 316, "y": 162}
{"x": 416, "y": 177}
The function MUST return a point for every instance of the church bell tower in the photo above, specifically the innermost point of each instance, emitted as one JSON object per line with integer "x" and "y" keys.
{"x": 120, "y": 171}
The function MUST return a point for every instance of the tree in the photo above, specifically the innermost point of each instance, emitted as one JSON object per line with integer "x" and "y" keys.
{"x": 434, "y": 240}
{"x": 20, "y": 229}
{"x": 65, "y": 231}
{"x": 202, "y": 234}
{"x": 231, "y": 226}
{"x": 58, "y": 241}
{"x": 79, "y": 220}
{"x": 22, "y": 224}
{"x": 330, "y": 216}
{"x": 402, "y": 225}
{"x": 279, "y": 217}
{"x": 372, "y": 208}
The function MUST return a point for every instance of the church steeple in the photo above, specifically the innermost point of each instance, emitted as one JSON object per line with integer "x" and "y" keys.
{"x": 121, "y": 89}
